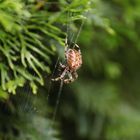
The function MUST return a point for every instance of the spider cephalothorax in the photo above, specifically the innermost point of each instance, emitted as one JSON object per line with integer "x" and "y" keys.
{"x": 73, "y": 62}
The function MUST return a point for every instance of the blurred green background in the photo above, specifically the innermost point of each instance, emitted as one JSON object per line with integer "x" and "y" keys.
{"x": 103, "y": 103}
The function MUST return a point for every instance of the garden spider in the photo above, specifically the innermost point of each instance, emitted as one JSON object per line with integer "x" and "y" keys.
{"x": 73, "y": 62}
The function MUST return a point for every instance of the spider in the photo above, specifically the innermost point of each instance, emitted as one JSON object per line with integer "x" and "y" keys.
{"x": 73, "y": 63}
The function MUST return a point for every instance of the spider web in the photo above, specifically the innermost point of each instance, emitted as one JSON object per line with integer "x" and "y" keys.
{"x": 61, "y": 81}
{"x": 24, "y": 104}
{"x": 72, "y": 37}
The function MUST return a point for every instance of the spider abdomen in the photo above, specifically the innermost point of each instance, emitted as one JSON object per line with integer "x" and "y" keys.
{"x": 74, "y": 59}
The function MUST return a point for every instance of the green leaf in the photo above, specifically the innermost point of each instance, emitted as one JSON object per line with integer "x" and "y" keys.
{"x": 3, "y": 94}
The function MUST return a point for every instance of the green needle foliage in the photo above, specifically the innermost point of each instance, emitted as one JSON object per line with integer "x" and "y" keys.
{"x": 30, "y": 33}
{"x": 28, "y": 29}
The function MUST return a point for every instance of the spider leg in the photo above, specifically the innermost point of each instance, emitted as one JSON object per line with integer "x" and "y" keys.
{"x": 75, "y": 75}
{"x": 61, "y": 65}
{"x": 69, "y": 79}
{"x": 77, "y": 46}
{"x": 61, "y": 77}
{"x": 72, "y": 77}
